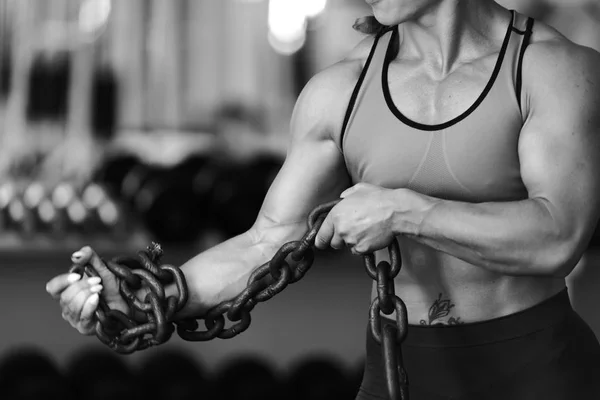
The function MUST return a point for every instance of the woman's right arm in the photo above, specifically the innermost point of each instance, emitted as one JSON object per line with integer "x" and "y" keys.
{"x": 313, "y": 173}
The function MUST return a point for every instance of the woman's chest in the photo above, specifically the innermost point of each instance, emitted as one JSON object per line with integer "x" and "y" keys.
{"x": 473, "y": 159}
{"x": 424, "y": 96}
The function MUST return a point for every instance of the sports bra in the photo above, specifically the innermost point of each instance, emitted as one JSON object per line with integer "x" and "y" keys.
{"x": 473, "y": 157}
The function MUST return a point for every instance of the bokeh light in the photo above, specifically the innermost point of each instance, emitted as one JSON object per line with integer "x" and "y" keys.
{"x": 288, "y": 21}
{"x": 93, "y": 15}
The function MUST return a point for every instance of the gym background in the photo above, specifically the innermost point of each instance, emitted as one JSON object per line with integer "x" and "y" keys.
{"x": 123, "y": 122}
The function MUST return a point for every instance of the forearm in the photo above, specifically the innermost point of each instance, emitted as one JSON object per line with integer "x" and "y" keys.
{"x": 513, "y": 238}
{"x": 222, "y": 272}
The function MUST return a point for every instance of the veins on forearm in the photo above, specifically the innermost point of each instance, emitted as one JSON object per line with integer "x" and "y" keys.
{"x": 439, "y": 310}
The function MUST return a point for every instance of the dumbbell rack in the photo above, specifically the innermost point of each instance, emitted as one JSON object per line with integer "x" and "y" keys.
{"x": 35, "y": 216}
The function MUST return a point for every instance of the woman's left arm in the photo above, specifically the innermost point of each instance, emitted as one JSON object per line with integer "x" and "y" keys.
{"x": 559, "y": 152}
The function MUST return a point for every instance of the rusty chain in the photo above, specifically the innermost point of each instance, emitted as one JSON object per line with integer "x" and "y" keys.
{"x": 151, "y": 322}
{"x": 119, "y": 331}
{"x": 389, "y": 336}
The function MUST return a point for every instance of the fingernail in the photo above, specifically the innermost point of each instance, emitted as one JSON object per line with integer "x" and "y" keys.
{"x": 77, "y": 255}
{"x": 94, "y": 281}
{"x": 96, "y": 289}
{"x": 73, "y": 278}
{"x": 94, "y": 298}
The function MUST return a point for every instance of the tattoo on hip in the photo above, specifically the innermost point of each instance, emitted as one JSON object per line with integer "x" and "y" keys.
{"x": 439, "y": 310}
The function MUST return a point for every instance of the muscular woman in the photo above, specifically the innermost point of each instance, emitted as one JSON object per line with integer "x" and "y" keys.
{"x": 470, "y": 133}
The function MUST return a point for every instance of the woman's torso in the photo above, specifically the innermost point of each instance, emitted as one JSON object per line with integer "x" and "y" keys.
{"x": 454, "y": 139}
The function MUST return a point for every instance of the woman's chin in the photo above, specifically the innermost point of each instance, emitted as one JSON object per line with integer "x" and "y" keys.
{"x": 381, "y": 18}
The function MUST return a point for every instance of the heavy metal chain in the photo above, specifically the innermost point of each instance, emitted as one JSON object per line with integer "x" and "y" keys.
{"x": 389, "y": 336}
{"x": 264, "y": 283}
{"x": 152, "y": 321}
{"x": 152, "y": 325}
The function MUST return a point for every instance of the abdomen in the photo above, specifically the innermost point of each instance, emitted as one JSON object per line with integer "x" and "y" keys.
{"x": 430, "y": 278}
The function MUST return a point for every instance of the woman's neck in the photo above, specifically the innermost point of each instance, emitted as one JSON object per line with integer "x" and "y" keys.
{"x": 451, "y": 32}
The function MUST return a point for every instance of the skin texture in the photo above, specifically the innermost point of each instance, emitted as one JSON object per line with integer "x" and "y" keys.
{"x": 485, "y": 259}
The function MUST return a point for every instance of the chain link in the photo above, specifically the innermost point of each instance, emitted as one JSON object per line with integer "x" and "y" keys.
{"x": 264, "y": 283}
{"x": 393, "y": 335}
{"x": 125, "y": 335}
{"x": 116, "y": 329}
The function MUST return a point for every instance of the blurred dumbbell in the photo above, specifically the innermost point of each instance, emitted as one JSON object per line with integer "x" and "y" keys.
{"x": 239, "y": 192}
{"x": 203, "y": 184}
{"x": 318, "y": 378}
{"x": 47, "y": 215}
{"x": 63, "y": 195}
{"x": 78, "y": 217}
{"x": 7, "y": 192}
{"x": 27, "y": 372}
{"x": 113, "y": 219}
{"x": 105, "y": 215}
{"x": 34, "y": 194}
{"x": 17, "y": 216}
{"x": 92, "y": 197}
{"x": 136, "y": 178}
{"x": 124, "y": 178}
{"x": 168, "y": 204}
{"x": 250, "y": 378}
{"x": 113, "y": 172}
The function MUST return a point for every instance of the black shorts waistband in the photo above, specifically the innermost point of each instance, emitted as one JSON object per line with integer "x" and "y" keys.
{"x": 541, "y": 316}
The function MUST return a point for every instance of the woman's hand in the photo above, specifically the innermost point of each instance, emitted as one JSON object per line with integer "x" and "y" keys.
{"x": 365, "y": 220}
{"x": 78, "y": 296}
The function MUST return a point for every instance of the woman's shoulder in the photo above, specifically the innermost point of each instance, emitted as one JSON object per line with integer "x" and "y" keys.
{"x": 550, "y": 55}
{"x": 547, "y": 42}
{"x": 347, "y": 70}
{"x": 553, "y": 65}
{"x": 339, "y": 76}
{"x": 325, "y": 97}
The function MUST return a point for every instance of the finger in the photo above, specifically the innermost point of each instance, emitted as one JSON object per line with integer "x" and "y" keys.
{"x": 88, "y": 256}
{"x": 349, "y": 191}
{"x": 354, "y": 189}
{"x": 83, "y": 255}
{"x": 325, "y": 233}
{"x": 359, "y": 249}
{"x": 354, "y": 251}
{"x": 89, "y": 307}
{"x": 72, "y": 291}
{"x": 337, "y": 242}
{"x": 73, "y": 309}
{"x": 59, "y": 283}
